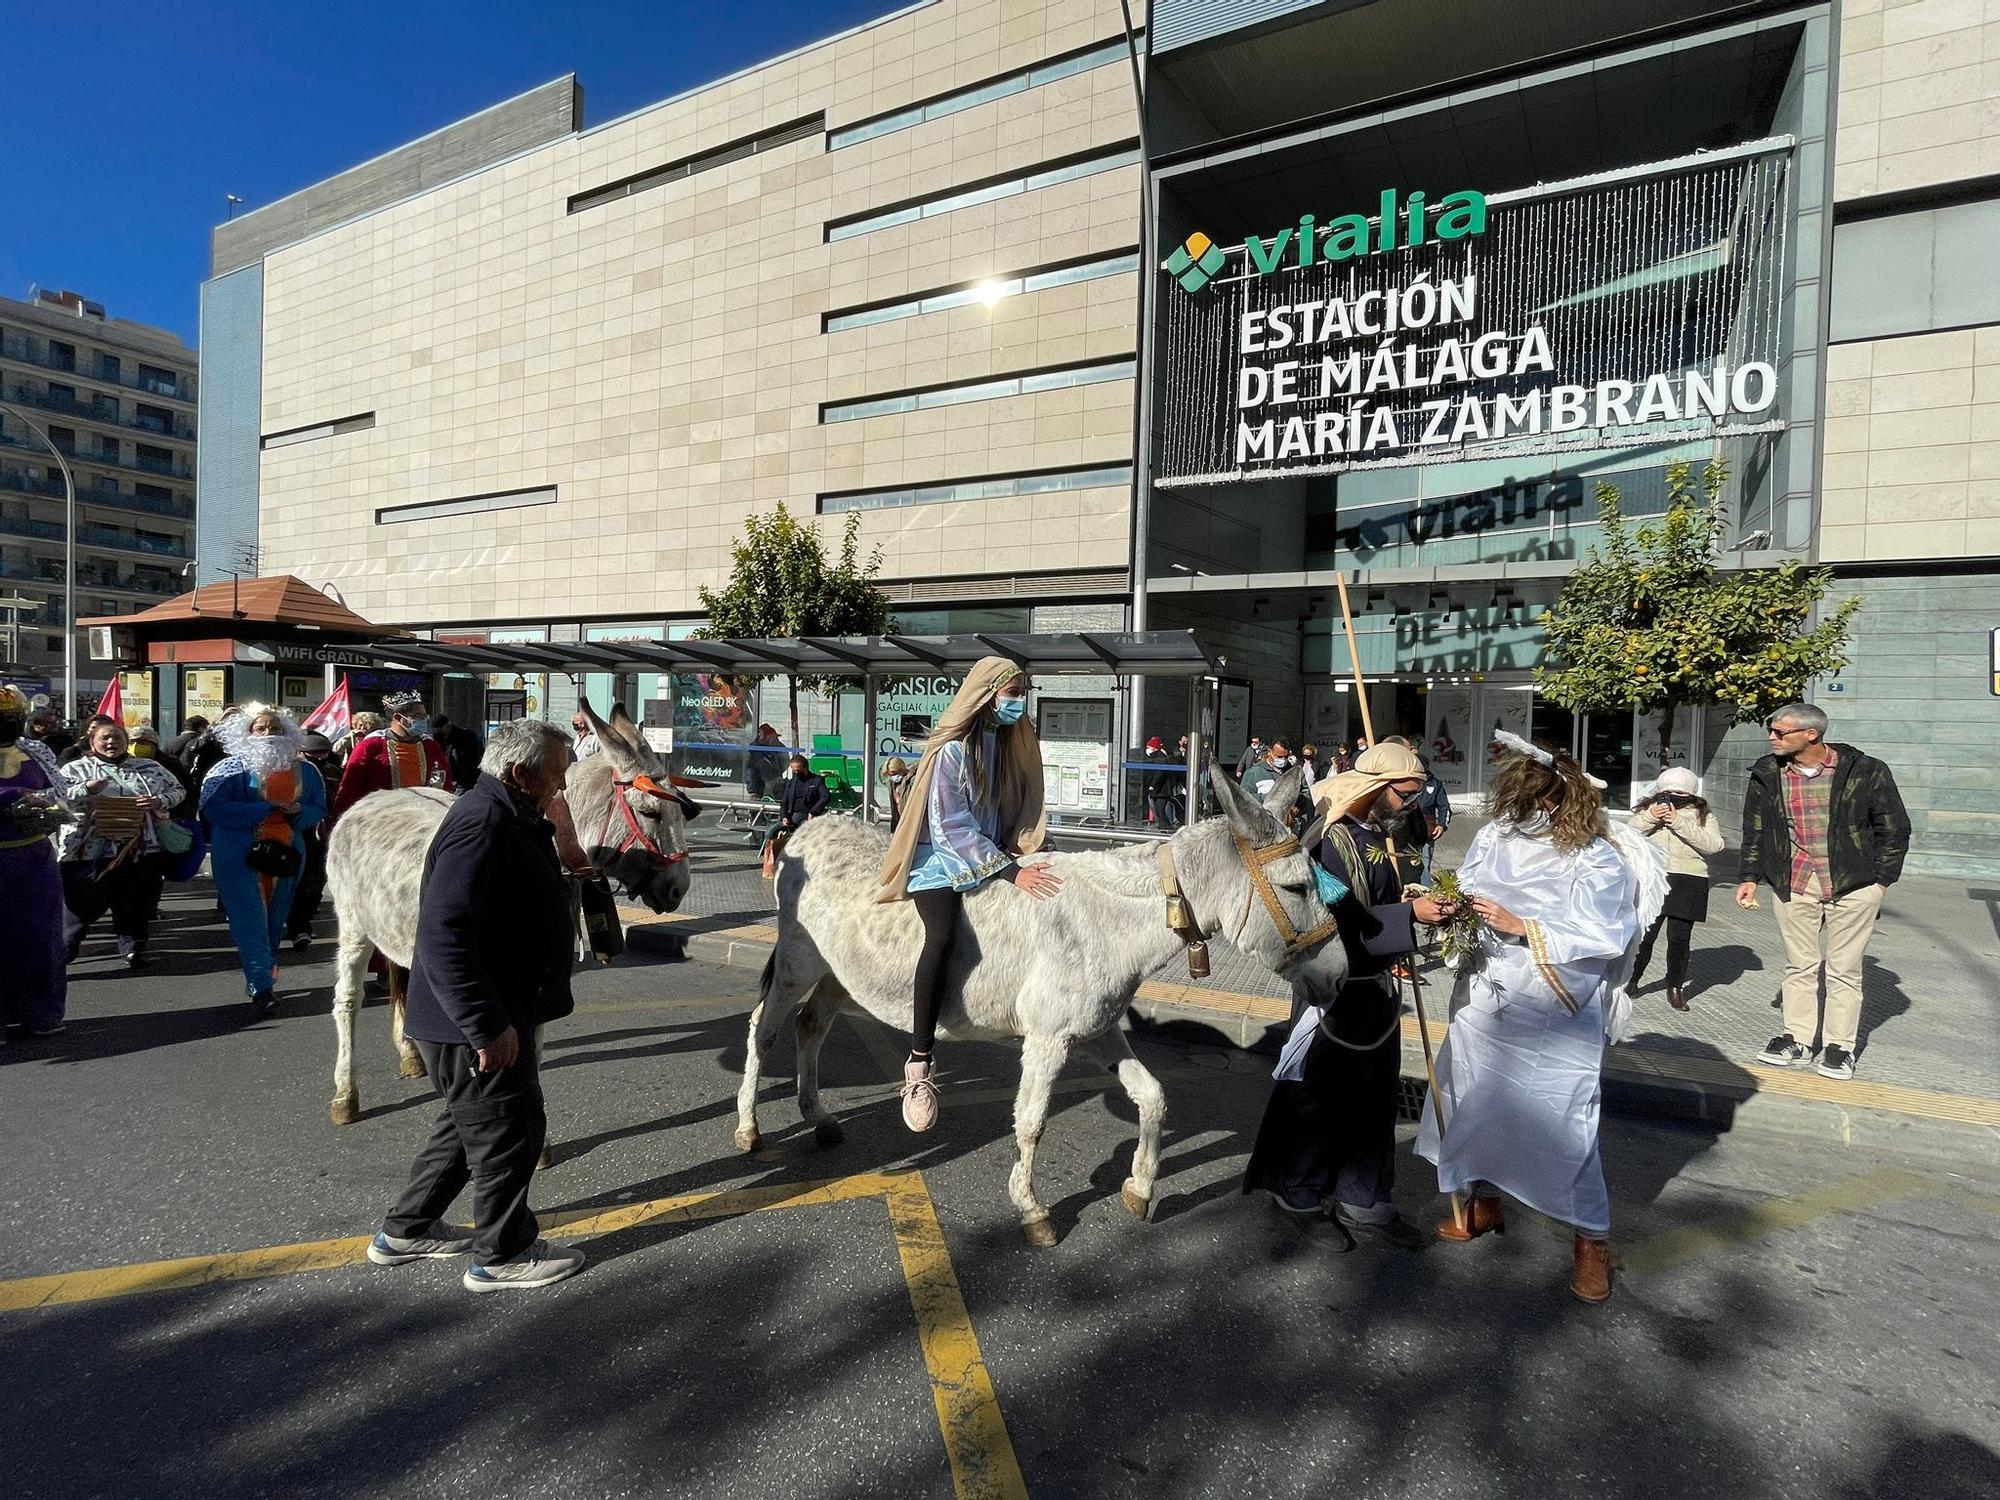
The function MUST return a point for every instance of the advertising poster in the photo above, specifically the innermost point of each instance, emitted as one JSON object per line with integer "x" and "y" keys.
{"x": 1076, "y": 754}
{"x": 135, "y": 697}
{"x": 904, "y": 718}
{"x": 206, "y": 692}
{"x": 713, "y": 725}
{"x": 1232, "y": 722}
{"x": 1647, "y": 762}
{"x": 1448, "y": 731}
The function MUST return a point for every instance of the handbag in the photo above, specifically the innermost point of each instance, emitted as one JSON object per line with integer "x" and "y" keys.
{"x": 186, "y": 864}
{"x": 175, "y": 838}
{"x": 274, "y": 858}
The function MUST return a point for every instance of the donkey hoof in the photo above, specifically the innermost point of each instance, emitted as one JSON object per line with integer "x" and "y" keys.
{"x": 346, "y": 1109}
{"x": 411, "y": 1067}
{"x": 1138, "y": 1204}
{"x": 546, "y": 1160}
{"x": 829, "y": 1133}
{"x": 747, "y": 1138}
{"x": 1038, "y": 1231}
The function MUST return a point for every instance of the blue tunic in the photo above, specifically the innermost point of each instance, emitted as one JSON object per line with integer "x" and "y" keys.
{"x": 232, "y": 801}
{"x": 959, "y": 849}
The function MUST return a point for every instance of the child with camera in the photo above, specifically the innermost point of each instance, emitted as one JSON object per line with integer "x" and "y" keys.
{"x": 1675, "y": 818}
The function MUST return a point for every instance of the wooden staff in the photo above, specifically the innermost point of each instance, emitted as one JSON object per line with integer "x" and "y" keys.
{"x": 1416, "y": 985}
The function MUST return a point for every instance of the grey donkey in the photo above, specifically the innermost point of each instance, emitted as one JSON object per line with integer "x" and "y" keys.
{"x": 1059, "y": 974}
{"x": 375, "y": 866}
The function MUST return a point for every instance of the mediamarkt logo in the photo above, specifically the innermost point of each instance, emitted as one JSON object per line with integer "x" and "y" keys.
{"x": 1398, "y": 226}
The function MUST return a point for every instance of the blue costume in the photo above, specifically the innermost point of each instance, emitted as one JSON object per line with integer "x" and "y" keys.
{"x": 232, "y": 801}
{"x": 958, "y": 849}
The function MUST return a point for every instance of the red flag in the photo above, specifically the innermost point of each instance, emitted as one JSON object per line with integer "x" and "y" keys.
{"x": 112, "y": 704}
{"x": 331, "y": 718}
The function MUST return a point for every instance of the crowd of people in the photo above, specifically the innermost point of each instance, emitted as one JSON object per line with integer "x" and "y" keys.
{"x": 1566, "y": 913}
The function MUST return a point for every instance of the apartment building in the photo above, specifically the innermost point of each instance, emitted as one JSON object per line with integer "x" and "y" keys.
{"x": 118, "y": 399}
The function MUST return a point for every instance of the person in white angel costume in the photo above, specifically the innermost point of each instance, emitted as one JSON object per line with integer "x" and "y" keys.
{"x": 1562, "y": 903}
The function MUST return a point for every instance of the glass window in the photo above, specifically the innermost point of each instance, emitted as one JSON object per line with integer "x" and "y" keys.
{"x": 984, "y": 193}
{"x": 1915, "y": 272}
{"x": 979, "y": 93}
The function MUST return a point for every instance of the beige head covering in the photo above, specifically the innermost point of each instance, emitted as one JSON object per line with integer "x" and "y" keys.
{"x": 1015, "y": 780}
{"x": 1374, "y": 769}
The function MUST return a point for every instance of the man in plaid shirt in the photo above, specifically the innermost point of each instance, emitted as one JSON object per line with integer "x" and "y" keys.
{"x": 1825, "y": 826}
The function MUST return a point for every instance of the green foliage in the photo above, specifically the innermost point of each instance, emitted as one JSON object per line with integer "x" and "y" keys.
{"x": 1458, "y": 937}
{"x": 782, "y": 586}
{"x": 1650, "y": 623}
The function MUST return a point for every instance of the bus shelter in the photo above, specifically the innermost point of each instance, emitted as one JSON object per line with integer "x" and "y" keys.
{"x": 701, "y": 711}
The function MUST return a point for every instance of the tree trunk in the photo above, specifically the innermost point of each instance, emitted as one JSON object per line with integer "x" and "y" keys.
{"x": 792, "y": 684}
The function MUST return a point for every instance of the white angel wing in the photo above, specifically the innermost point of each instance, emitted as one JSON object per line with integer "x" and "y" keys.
{"x": 1648, "y": 865}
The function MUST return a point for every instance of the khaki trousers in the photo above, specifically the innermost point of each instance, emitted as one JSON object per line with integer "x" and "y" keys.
{"x": 1848, "y": 923}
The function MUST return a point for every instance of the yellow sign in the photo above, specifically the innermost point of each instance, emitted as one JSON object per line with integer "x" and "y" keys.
{"x": 205, "y": 690}
{"x": 135, "y": 697}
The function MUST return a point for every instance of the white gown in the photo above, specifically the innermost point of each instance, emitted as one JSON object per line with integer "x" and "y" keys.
{"x": 1519, "y": 1068}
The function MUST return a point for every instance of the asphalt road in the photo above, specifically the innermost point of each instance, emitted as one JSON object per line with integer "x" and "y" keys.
{"x": 1794, "y": 1317}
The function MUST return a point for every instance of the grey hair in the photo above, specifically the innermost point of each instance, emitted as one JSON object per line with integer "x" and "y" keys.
{"x": 1805, "y": 715}
{"x": 520, "y": 742}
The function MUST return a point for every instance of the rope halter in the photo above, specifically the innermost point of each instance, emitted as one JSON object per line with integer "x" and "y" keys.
{"x": 1254, "y": 860}
{"x": 635, "y": 836}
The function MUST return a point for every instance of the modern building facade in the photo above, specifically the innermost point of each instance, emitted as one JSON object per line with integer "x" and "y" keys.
{"x": 1419, "y": 275}
{"x": 118, "y": 399}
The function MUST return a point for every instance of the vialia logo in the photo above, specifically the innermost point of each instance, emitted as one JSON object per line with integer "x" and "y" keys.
{"x": 1399, "y": 225}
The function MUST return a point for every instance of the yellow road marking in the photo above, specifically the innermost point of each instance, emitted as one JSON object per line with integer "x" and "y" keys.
{"x": 1664, "y": 1251}
{"x": 975, "y": 1434}
{"x": 983, "y": 1466}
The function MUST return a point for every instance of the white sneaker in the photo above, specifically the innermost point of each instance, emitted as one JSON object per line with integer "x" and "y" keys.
{"x": 920, "y": 1095}
{"x": 539, "y": 1265}
{"x": 391, "y": 1250}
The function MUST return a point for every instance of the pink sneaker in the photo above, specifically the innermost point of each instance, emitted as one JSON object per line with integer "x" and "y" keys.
{"x": 920, "y": 1100}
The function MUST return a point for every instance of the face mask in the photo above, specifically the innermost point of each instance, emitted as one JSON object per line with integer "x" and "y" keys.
{"x": 417, "y": 726}
{"x": 1009, "y": 710}
{"x": 143, "y": 750}
{"x": 1280, "y": 762}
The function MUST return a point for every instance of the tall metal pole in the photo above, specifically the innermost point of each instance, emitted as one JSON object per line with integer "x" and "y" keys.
{"x": 1141, "y": 383}
{"x": 69, "y": 558}
{"x": 1416, "y": 985}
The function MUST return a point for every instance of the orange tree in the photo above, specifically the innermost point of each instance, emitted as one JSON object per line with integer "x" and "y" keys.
{"x": 1649, "y": 622}
{"x": 782, "y": 586}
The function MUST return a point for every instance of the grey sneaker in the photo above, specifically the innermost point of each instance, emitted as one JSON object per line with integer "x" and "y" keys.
{"x": 390, "y": 1250}
{"x": 1836, "y": 1062}
{"x": 1783, "y": 1052}
{"x": 538, "y": 1265}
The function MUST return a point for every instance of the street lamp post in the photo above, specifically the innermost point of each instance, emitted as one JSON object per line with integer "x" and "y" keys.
{"x": 69, "y": 558}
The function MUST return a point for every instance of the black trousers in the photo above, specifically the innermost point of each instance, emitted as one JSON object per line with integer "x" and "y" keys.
{"x": 490, "y": 1134}
{"x": 311, "y": 889}
{"x": 131, "y": 893}
{"x": 1680, "y": 938}
{"x": 1332, "y": 1134}
{"x": 938, "y": 911}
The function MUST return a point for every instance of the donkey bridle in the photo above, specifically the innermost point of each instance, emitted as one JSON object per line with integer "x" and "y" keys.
{"x": 1254, "y": 860}
{"x": 635, "y": 836}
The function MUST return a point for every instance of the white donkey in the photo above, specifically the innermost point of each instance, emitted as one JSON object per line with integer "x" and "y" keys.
{"x": 633, "y": 832}
{"x": 1059, "y": 974}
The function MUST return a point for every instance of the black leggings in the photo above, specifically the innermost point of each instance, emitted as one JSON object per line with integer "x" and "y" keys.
{"x": 1680, "y": 936}
{"x": 938, "y": 911}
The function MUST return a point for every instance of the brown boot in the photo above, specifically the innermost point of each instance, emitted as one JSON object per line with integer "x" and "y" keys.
{"x": 1591, "y": 1280}
{"x": 1482, "y": 1214}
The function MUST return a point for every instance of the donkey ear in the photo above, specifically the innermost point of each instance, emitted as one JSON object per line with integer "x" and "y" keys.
{"x": 1284, "y": 793}
{"x": 1246, "y": 818}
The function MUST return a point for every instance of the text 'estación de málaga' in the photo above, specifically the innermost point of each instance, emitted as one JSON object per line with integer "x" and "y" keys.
{"x": 1371, "y": 351}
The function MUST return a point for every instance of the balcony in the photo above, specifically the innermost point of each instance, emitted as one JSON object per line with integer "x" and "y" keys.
{"x": 167, "y": 468}
{"x": 86, "y": 411}
{"x": 49, "y": 576}
{"x": 22, "y": 351}
{"x": 105, "y": 493}
{"x": 126, "y": 541}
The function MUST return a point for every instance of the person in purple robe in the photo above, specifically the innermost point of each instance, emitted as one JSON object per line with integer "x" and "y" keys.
{"x": 34, "y": 984}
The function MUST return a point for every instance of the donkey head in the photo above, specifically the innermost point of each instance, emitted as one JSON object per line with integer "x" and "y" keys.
{"x": 630, "y": 824}
{"x": 1260, "y": 828}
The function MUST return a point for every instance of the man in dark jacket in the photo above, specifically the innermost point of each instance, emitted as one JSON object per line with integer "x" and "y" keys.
{"x": 492, "y": 963}
{"x": 462, "y": 749}
{"x": 1824, "y": 826}
{"x": 805, "y": 796}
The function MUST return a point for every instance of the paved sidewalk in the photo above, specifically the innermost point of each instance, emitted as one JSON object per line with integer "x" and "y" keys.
{"x": 1930, "y": 1032}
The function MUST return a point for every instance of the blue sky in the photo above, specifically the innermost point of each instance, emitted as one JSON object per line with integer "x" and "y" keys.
{"x": 121, "y": 134}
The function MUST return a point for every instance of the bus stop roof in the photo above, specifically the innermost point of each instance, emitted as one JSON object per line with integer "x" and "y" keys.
{"x": 1153, "y": 653}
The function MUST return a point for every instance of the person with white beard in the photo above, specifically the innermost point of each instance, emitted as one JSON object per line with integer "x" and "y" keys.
{"x": 257, "y": 801}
